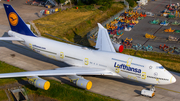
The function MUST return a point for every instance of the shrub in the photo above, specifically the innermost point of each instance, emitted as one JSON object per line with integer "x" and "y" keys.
{"x": 131, "y": 3}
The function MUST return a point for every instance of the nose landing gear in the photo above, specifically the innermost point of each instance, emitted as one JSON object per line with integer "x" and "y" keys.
{"x": 152, "y": 88}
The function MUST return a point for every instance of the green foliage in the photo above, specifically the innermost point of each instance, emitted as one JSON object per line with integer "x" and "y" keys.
{"x": 89, "y": 21}
{"x": 105, "y": 5}
{"x": 60, "y": 1}
{"x": 89, "y": 7}
{"x": 80, "y": 3}
{"x": 59, "y": 9}
{"x": 132, "y": 3}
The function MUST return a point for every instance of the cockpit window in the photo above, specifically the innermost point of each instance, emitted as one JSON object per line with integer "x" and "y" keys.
{"x": 160, "y": 67}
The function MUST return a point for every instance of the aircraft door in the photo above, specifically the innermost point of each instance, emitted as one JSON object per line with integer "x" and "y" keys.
{"x": 117, "y": 69}
{"x": 61, "y": 55}
{"x": 143, "y": 75}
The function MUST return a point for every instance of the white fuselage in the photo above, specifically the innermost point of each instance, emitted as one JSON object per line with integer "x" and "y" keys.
{"x": 125, "y": 66}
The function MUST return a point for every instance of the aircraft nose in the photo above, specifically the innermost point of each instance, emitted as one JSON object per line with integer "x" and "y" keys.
{"x": 173, "y": 79}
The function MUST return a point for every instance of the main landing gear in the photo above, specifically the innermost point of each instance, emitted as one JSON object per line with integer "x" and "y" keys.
{"x": 148, "y": 93}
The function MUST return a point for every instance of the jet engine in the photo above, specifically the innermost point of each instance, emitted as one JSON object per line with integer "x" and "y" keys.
{"x": 118, "y": 47}
{"x": 38, "y": 82}
{"x": 80, "y": 82}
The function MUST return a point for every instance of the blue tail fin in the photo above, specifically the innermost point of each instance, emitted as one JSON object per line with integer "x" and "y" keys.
{"x": 16, "y": 23}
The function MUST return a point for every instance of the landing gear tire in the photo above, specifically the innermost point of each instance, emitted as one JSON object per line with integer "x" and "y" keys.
{"x": 153, "y": 88}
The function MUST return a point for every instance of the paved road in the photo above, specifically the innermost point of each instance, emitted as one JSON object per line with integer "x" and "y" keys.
{"x": 114, "y": 87}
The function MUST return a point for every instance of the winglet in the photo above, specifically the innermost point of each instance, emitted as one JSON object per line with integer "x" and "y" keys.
{"x": 16, "y": 23}
{"x": 100, "y": 26}
{"x": 103, "y": 42}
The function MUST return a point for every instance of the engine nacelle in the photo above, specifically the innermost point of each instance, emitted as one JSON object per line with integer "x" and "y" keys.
{"x": 80, "y": 82}
{"x": 38, "y": 82}
{"x": 118, "y": 47}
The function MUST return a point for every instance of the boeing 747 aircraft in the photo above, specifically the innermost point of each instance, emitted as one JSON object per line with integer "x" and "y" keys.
{"x": 83, "y": 61}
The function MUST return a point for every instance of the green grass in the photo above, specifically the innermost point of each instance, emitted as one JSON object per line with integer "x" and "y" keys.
{"x": 66, "y": 92}
{"x": 5, "y": 68}
{"x": 74, "y": 24}
{"x": 3, "y": 95}
{"x": 169, "y": 61}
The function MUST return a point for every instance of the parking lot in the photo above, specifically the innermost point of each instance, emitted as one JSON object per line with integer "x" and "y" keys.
{"x": 143, "y": 27}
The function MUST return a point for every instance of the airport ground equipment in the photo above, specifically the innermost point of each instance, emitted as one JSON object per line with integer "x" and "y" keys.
{"x": 155, "y": 22}
{"x": 127, "y": 29}
{"x": 164, "y": 48}
{"x": 137, "y": 46}
{"x": 147, "y": 48}
{"x": 173, "y": 49}
{"x": 149, "y": 36}
{"x": 164, "y": 23}
{"x": 127, "y": 43}
{"x": 177, "y": 31}
{"x": 150, "y": 14}
{"x": 115, "y": 38}
{"x": 171, "y": 38}
{"x": 147, "y": 93}
{"x": 165, "y": 14}
{"x": 51, "y": 3}
{"x": 177, "y": 50}
{"x": 35, "y": 3}
{"x": 140, "y": 18}
{"x": 130, "y": 40}
{"x": 175, "y": 23}
{"x": 171, "y": 16}
{"x": 169, "y": 49}
{"x": 135, "y": 21}
{"x": 93, "y": 37}
{"x": 142, "y": 15}
{"x": 169, "y": 30}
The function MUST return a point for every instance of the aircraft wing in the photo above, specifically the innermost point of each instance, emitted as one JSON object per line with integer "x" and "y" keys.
{"x": 60, "y": 71}
{"x": 11, "y": 39}
{"x": 103, "y": 42}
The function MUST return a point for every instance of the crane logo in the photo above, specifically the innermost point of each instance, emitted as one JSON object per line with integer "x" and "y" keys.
{"x": 13, "y": 19}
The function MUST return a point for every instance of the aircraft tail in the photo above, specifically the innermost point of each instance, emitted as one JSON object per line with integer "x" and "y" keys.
{"x": 16, "y": 23}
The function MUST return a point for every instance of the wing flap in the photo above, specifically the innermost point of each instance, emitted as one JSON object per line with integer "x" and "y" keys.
{"x": 59, "y": 71}
{"x": 103, "y": 42}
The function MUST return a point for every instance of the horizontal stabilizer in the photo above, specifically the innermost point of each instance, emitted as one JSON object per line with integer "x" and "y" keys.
{"x": 60, "y": 71}
{"x": 11, "y": 39}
